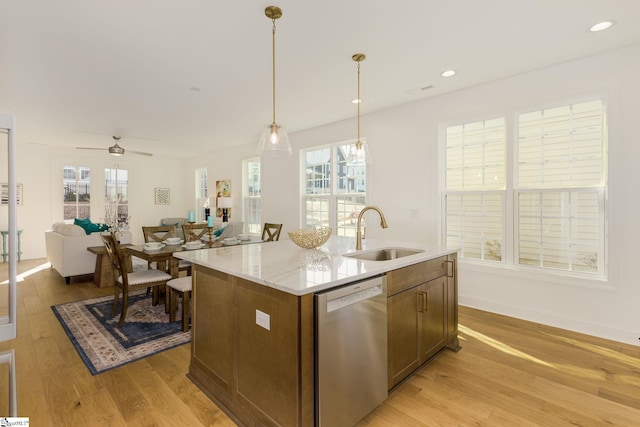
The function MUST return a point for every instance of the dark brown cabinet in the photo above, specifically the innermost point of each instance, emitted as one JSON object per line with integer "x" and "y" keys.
{"x": 262, "y": 374}
{"x": 421, "y": 313}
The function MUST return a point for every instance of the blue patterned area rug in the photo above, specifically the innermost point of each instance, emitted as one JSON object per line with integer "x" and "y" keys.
{"x": 103, "y": 344}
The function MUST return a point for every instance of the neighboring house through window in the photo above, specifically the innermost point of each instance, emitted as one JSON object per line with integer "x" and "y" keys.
{"x": 76, "y": 181}
{"x": 334, "y": 193}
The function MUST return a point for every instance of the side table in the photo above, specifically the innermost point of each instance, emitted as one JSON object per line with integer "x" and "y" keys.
{"x": 5, "y": 254}
{"x": 103, "y": 276}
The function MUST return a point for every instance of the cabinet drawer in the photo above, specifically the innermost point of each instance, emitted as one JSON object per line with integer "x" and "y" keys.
{"x": 413, "y": 275}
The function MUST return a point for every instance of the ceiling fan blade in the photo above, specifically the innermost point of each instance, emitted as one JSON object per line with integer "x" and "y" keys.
{"x": 90, "y": 148}
{"x": 142, "y": 153}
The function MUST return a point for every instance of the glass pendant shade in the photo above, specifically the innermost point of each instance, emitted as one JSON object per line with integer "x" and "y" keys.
{"x": 359, "y": 154}
{"x": 274, "y": 141}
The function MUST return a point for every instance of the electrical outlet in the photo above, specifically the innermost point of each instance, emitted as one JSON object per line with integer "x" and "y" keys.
{"x": 263, "y": 319}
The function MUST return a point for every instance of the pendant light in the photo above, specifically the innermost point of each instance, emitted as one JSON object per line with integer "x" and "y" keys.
{"x": 274, "y": 141}
{"x": 359, "y": 152}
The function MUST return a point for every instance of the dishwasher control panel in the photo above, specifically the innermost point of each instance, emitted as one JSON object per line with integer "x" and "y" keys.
{"x": 343, "y": 301}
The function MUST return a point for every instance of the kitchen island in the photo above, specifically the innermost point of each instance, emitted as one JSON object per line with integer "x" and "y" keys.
{"x": 253, "y": 322}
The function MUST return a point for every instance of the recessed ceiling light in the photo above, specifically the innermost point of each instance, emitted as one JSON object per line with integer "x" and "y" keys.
{"x": 448, "y": 73}
{"x": 356, "y": 101}
{"x": 601, "y": 26}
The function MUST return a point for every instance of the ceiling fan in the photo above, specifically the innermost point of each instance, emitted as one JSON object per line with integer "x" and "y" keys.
{"x": 116, "y": 149}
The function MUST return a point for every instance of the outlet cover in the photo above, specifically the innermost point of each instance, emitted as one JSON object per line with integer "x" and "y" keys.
{"x": 263, "y": 319}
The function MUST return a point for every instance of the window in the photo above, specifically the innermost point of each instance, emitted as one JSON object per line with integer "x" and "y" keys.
{"x": 558, "y": 165}
{"x": 76, "y": 181}
{"x": 116, "y": 190}
{"x": 560, "y": 187}
{"x": 334, "y": 193}
{"x": 202, "y": 194}
{"x": 252, "y": 196}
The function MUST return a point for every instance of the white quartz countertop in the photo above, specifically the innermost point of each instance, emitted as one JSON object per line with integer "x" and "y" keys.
{"x": 283, "y": 265}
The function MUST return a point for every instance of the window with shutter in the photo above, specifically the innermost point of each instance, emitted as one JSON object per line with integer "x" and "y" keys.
{"x": 557, "y": 195}
{"x": 475, "y": 185}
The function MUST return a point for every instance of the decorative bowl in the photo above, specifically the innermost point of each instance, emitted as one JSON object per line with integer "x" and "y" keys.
{"x": 309, "y": 238}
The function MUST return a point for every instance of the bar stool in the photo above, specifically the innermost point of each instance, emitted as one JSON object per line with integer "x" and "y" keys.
{"x": 175, "y": 287}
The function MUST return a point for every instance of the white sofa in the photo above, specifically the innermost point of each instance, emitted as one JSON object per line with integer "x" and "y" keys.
{"x": 66, "y": 246}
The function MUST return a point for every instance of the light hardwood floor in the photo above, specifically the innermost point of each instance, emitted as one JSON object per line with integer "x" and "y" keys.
{"x": 508, "y": 373}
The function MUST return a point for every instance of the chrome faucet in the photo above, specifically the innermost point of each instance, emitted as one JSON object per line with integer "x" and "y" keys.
{"x": 383, "y": 224}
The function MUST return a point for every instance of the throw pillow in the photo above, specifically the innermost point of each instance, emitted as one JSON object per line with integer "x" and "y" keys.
{"x": 89, "y": 227}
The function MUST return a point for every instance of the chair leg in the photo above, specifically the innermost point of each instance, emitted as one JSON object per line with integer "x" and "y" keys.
{"x": 116, "y": 297}
{"x": 155, "y": 295}
{"x": 173, "y": 304}
{"x": 125, "y": 306}
{"x": 167, "y": 299}
{"x": 186, "y": 310}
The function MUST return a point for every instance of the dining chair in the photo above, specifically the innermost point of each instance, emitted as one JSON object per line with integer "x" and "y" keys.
{"x": 128, "y": 281}
{"x": 271, "y": 232}
{"x": 194, "y": 232}
{"x": 176, "y": 288}
{"x": 158, "y": 233}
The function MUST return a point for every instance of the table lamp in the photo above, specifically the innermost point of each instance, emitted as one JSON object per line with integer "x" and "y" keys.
{"x": 225, "y": 203}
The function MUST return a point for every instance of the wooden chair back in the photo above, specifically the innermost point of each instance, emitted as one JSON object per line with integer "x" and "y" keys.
{"x": 193, "y": 232}
{"x": 271, "y": 232}
{"x": 117, "y": 257}
{"x": 158, "y": 233}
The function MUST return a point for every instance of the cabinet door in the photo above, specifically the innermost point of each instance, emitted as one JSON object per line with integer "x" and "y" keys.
{"x": 402, "y": 334}
{"x": 431, "y": 317}
{"x": 212, "y": 345}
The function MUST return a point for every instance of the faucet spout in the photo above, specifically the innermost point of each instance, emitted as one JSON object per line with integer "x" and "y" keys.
{"x": 383, "y": 224}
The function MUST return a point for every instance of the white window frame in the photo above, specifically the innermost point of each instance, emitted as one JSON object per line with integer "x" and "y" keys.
{"x": 113, "y": 205}
{"x": 202, "y": 194}
{"x": 332, "y": 196}
{"x": 78, "y": 180}
{"x": 252, "y": 198}
{"x": 509, "y": 262}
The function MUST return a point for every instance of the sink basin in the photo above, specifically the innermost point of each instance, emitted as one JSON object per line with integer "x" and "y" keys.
{"x": 384, "y": 254}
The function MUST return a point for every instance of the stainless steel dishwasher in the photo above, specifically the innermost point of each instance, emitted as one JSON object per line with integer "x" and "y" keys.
{"x": 351, "y": 352}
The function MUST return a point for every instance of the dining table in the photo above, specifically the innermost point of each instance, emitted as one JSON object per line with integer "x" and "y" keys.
{"x": 164, "y": 255}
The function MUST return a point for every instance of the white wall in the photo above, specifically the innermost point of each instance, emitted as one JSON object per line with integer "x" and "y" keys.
{"x": 404, "y": 183}
{"x": 39, "y": 170}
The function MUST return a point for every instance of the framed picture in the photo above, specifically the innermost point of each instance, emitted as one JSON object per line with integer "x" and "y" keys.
{"x": 162, "y": 196}
{"x": 4, "y": 194}
{"x": 223, "y": 189}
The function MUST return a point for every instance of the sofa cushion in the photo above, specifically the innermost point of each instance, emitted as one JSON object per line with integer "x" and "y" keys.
{"x": 89, "y": 227}
{"x": 69, "y": 230}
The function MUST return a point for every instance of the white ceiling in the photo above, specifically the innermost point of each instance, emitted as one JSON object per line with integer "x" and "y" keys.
{"x": 179, "y": 78}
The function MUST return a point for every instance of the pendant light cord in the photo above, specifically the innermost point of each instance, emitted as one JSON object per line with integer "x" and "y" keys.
{"x": 359, "y": 102}
{"x": 273, "y": 67}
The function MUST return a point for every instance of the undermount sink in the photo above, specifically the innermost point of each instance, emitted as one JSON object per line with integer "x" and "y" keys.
{"x": 384, "y": 254}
